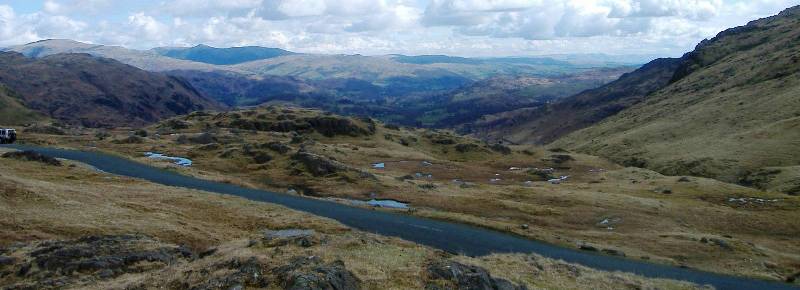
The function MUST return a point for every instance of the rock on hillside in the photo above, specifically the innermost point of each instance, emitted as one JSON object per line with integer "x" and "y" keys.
{"x": 731, "y": 109}
{"x": 97, "y": 92}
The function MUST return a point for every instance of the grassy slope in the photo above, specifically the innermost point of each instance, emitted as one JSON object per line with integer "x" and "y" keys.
{"x": 648, "y": 223}
{"x": 734, "y": 110}
{"x": 72, "y": 201}
{"x": 12, "y": 111}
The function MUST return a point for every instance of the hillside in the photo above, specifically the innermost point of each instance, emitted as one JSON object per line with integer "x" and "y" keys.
{"x": 545, "y": 124}
{"x": 221, "y": 56}
{"x": 97, "y": 92}
{"x": 12, "y": 111}
{"x": 593, "y": 204}
{"x": 731, "y": 109}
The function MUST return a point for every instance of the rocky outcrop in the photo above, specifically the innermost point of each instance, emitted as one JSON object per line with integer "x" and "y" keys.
{"x": 454, "y": 275}
{"x": 32, "y": 156}
{"x": 236, "y": 274}
{"x": 57, "y": 264}
{"x": 310, "y": 273}
{"x": 319, "y": 165}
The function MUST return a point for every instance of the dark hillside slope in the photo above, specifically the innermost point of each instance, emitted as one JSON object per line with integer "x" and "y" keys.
{"x": 733, "y": 108}
{"x": 547, "y": 123}
{"x": 97, "y": 92}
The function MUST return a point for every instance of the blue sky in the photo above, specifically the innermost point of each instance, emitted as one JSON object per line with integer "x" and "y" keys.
{"x": 455, "y": 27}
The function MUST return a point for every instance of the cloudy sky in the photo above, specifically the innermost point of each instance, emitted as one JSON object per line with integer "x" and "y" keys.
{"x": 456, "y": 27}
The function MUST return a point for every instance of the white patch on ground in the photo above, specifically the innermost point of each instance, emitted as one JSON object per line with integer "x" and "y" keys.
{"x": 185, "y": 162}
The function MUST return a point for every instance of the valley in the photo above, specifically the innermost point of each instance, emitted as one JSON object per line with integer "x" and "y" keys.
{"x": 195, "y": 158}
{"x": 599, "y": 206}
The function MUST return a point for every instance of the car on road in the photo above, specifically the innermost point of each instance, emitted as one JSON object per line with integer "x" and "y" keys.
{"x": 8, "y": 136}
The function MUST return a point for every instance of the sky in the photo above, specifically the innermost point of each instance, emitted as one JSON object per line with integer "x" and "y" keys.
{"x": 372, "y": 27}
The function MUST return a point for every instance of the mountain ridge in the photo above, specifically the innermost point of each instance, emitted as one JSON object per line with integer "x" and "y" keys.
{"x": 97, "y": 92}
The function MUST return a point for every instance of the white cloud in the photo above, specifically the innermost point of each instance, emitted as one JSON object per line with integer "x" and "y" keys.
{"x": 461, "y": 27}
{"x": 148, "y": 27}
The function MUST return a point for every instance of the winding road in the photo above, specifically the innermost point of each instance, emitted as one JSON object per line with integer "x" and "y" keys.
{"x": 447, "y": 236}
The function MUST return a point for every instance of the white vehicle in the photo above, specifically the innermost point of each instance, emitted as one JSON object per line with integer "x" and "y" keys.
{"x": 8, "y": 136}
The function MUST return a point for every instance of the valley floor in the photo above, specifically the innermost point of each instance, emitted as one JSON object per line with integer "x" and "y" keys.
{"x": 600, "y": 206}
{"x": 71, "y": 226}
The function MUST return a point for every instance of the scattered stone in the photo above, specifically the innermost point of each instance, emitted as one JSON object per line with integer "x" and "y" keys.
{"x": 663, "y": 190}
{"x": 207, "y": 253}
{"x": 524, "y": 226}
{"x": 210, "y": 147}
{"x": 300, "y": 237}
{"x": 427, "y": 186}
{"x": 614, "y": 252}
{"x": 751, "y": 200}
{"x": 721, "y": 243}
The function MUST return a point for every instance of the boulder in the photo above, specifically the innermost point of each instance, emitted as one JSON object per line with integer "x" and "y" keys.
{"x": 454, "y": 275}
{"x": 299, "y": 237}
{"x": 319, "y": 165}
{"x": 310, "y": 273}
{"x": 237, "y": 274}
{"x": 277, "y": 147}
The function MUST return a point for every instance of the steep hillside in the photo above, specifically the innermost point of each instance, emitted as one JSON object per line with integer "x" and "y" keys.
{"x": 547, "y": 123}
{"x": 12, "y": 111}
{"x": 97, "y": 92}
{"x": 236, "y": 90}
{"x": 463, "y": 106}
{"x": 221, "y": 56}
{"x": 732, "y": 108}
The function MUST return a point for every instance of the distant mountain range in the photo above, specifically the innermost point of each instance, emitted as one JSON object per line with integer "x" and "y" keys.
{"x": 221, "y": 56}
{"x": 409, "y": 90}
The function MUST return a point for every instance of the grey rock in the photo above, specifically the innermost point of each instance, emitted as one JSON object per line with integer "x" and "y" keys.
{"x": 310, "y": 273}
{"x": 464, "y": 277}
